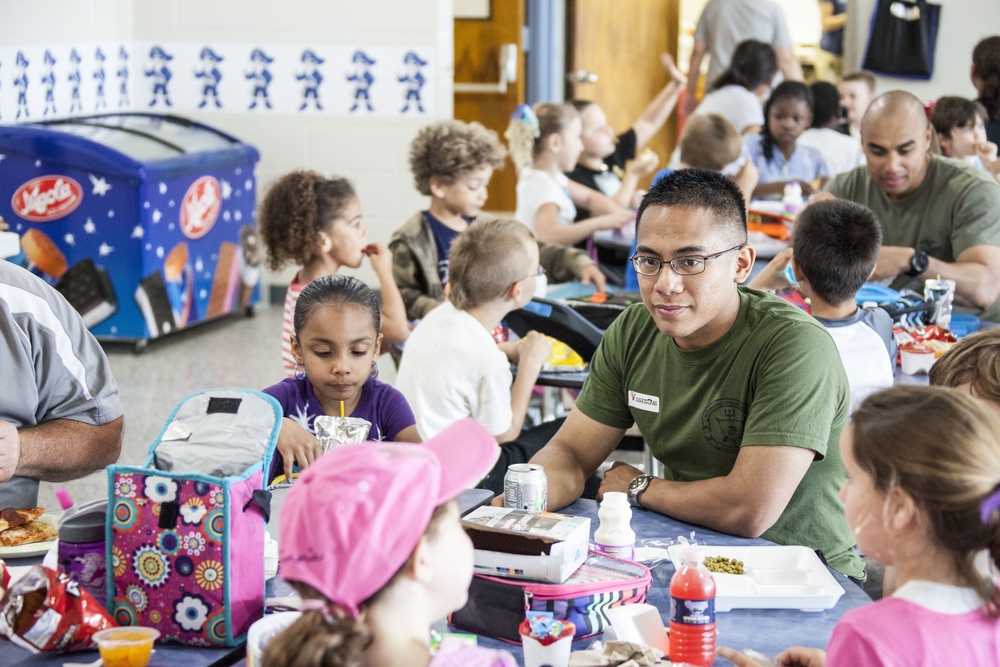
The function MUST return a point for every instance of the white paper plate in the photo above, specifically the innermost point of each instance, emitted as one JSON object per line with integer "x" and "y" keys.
{"x": 34, "y": 549}
{"x": 774, "y": 577}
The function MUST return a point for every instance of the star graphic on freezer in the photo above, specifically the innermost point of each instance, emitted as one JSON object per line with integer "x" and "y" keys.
{"x": 238, "y": 216}
{"x": 159, "y": 251}
{"x": 38, "y": 163}
{"x": 2, "y": 157}
{"x": 227, "y": 189}
{"x": 104, "y": 250}
{"x": 138, "y": 232}
{"x": 238, "y": 171}
{"x": 199, "y": 265}
{"x": 156, "y": 215}
{"x": 226, "y": 215}
{"x": 248, "y": 185}
{"x": 89, "y": 226}
{"x": 163, "y": 188}
{"x": 203, "y": 294}
{"x": 69, "y": 239}
{"x": 145, "y": 205}
{"x": 101, "y": 186}
{"x": 111, "y": 213}
{"x": 149, "y": 246}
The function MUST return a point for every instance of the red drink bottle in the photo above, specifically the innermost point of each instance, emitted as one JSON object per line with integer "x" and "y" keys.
{"x": 692, "y": 611}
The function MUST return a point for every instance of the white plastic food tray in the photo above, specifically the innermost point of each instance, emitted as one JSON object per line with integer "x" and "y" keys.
{"x": 774, "y": 577}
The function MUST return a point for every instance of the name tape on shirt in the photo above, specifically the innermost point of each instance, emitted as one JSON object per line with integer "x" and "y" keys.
{"x": 644, "y": 401}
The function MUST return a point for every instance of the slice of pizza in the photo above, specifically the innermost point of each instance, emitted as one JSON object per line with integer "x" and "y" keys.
{"x": 10, "y": 517}
{"x": 28, "y": 533}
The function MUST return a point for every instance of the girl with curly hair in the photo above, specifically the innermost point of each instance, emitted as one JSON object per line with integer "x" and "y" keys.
{"x": 315, "y": 222}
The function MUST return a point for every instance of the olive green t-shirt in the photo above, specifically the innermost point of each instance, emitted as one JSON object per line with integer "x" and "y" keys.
{"x": 775, "y": 378}
{"x": 955, "y": 208}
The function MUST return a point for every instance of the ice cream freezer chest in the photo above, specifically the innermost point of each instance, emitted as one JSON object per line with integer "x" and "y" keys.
{"x": 145, "y": 223}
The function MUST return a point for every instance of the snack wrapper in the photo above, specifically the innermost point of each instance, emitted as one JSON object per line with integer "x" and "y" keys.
{"x": 543, "y": 627}
{"x": 563, "y": 358}
{"x": 47, "y": 611}
{"x": 933, "y": 337}
{"x": 336, "y": 431}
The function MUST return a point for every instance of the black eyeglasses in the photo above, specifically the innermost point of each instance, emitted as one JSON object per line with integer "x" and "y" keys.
{"x": 685, "y": 265}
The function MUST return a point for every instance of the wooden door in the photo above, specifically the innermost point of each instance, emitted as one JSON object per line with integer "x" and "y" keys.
{"x": 619, "y": 44}
{"x": 478, "y": 57}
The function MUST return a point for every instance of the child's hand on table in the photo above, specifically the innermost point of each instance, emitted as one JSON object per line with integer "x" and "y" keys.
{"x": 796, "y": 656}
{"x": 297, "y": 446}
{"x": 592, "y": 274}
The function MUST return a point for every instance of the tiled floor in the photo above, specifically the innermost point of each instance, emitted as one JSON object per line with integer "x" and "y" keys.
{"x": 233, "y": 352}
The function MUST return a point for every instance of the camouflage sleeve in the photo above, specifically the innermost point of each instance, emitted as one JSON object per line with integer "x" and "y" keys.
{"x": 562, "y": 263}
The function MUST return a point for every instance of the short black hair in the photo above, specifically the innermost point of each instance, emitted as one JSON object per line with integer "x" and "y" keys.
{"x": 826, "y": 103}
{"x": 699, "y": 189}
{"x": 836, "y": 245}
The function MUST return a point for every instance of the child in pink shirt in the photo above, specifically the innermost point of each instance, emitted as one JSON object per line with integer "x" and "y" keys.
{"x": 922, "y": 495}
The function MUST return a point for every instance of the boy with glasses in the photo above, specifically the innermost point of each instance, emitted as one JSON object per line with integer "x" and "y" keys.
{"x": 452, "y": 368}
{"x": 739, "y": 394}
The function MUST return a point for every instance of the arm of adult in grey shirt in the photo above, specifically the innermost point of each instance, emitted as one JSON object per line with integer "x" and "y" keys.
{"x": 58, "y": 450}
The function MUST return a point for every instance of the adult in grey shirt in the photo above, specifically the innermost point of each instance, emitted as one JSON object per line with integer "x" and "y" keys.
{"x": 723, "y": 24}
{"x": 60, "y": 416}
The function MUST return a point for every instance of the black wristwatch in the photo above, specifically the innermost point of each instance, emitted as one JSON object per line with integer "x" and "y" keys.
{"x": 636, "y": 487}
{"x": 918, "y": 264}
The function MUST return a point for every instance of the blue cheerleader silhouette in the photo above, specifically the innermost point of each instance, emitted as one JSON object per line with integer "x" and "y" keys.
{"x": 414, "y": 80}
{"x": 311, "y": 78}
{"x": 74, "y": 79}
{"x": 21, "y": 84}
{"x": 160, "y": 75}
{"x": 122, "y": 75}
{"x": 49, "y": 81}
{"x": 261, "y": 77}
{"x": 100, "y": 102}
{"x": 210, "y": 76}
{"x": 362, "y": 78}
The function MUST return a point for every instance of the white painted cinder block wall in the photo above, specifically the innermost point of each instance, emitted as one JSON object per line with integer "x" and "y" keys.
{"x": 372, "y": 151}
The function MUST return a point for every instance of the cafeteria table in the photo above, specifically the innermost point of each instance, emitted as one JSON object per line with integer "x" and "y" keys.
{"x": 766, "y": 630}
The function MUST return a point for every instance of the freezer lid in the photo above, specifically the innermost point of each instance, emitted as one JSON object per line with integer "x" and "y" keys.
{"x": 146, "y": 137}
{"x": 139, "y": 147}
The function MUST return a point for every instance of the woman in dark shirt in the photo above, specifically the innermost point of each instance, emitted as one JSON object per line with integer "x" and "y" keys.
{"x": 986, "y": 79}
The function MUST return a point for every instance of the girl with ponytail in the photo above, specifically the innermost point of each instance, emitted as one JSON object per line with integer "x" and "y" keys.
{"x": 922, "y": 495}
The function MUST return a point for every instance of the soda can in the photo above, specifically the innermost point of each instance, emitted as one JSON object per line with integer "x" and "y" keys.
{"x": 525, "y": 487}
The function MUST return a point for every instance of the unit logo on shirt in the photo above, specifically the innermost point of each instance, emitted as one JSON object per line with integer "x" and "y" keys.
{"x": 722, "y": 423}
{"x": 644, "y": 401}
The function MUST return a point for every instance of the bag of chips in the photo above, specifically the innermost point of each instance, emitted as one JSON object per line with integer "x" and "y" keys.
{"x": 47, "y": 611}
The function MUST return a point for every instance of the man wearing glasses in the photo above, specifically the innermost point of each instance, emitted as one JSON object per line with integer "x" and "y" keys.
{"x": 739, "y": 394}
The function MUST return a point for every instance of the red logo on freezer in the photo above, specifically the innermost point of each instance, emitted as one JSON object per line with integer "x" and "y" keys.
{"x": 200, "y": 208}
{"x": 47, "y": 198}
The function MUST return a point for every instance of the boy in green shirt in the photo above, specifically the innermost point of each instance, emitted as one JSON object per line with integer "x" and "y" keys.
{"x": 739, "y": 394}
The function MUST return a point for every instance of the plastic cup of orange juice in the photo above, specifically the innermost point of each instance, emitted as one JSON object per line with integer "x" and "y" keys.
{"x": 126, "y": 646}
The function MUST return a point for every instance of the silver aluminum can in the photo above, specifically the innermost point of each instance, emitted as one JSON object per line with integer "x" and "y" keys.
{"x": 525, "y": 487}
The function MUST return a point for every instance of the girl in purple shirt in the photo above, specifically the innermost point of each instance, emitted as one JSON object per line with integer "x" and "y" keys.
{"x": 335, "y": 344}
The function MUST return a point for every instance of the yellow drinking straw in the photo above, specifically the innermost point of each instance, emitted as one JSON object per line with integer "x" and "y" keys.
{"x": 341, "y": 409}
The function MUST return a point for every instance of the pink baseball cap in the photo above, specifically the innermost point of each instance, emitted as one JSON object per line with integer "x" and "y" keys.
{"x": 355, "y": 515}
